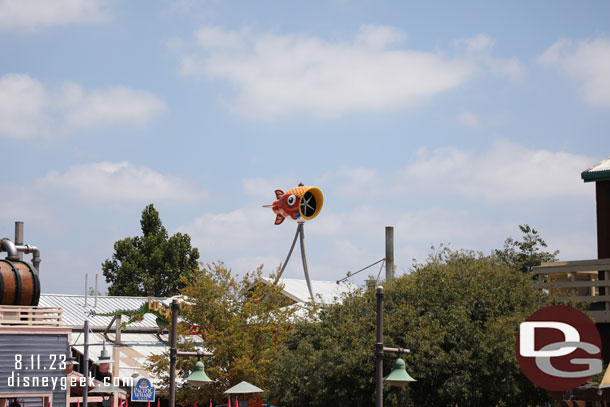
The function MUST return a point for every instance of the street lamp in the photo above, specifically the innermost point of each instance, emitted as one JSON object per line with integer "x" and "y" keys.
{"x": 198, "y": 377}
{"x": 104, "y": 361}
{"x": 69, "y": 365}
{"x": 398, "y": 376}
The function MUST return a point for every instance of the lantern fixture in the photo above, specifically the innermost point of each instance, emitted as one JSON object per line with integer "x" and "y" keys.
{"x": 104, "y": 361}
{"x": 198, "y": 377}
{"x": 69, "y": 365}
{"x": 398, "y": 376}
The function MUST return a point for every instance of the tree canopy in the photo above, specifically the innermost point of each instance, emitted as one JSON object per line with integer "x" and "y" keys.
{"x": 527, "y": 253}
{"x": 243, "y": 327}
{"x": 152, "y": 264}
{"x": 459, "y": 314}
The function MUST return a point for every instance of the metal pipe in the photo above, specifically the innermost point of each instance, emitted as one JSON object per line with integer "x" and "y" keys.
{"x": 19, "y": 236}
{"x": 27, "y": 249}
{"x": 86, "y": 288}
{"x": 379, "y": 349}
{"x": 287, "y": 257}
{"x": 301, "y": 231}
{"x": 7, "y": 246}
{"x": 389, "y": 253}
{"x": 173, "y": 354}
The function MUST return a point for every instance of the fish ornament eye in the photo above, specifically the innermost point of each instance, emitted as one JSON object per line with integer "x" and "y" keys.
{"x": 291, "y": 200}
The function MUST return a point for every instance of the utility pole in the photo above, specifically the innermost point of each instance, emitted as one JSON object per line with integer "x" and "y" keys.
{"x": 86, "y": 360}
{"x": 389, "y": 253}
{"x": 173, "y": 354}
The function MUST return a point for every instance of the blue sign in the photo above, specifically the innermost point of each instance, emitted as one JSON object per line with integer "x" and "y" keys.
{"x": 143, "y": 391}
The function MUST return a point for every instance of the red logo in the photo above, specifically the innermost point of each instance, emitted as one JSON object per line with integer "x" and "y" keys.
{"x": 559, "y": 348}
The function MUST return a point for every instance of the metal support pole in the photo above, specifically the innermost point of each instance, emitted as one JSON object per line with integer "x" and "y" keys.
{"x": 173, "y": 353}
{"x": 379, "y": 349}
{"x": 389, "y": 253}
{"x": 95, "y": 301}
{"x": 86, "y": 362}
{"x": 301, "y": 231}
{"x": 288, "y": 257}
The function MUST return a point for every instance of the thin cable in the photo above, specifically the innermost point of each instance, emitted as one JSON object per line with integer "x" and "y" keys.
{"x": 350, "y": 274}
{"x": 380, "y": 268}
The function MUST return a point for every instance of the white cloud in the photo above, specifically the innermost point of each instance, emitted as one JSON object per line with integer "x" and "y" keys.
{"x": 30, "y": 15}
{"x": 117, "y": 104}
{"x": 23, "y": 106}
{"x": 586, "y": 61}
{"x": 480, "y": 43}
{"x": 277, "y": 74}
{"x": 505, "y": 172}
{"x": 469, "y": 119}
{"x": 478, "y": 50}
{"x": 110, "y": 182}
{"x": 28, "y": 109}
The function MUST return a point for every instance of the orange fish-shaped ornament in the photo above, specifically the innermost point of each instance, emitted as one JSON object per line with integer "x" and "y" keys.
{"x": 300, "y": 204}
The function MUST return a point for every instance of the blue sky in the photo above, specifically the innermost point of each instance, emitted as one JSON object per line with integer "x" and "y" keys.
{"x": 452, "y": 122}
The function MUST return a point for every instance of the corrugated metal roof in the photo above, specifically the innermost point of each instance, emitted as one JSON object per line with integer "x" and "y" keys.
{"x": 75, "y": 312}
{"x": 599, "y": 172}
{"x": 326, "y": 292}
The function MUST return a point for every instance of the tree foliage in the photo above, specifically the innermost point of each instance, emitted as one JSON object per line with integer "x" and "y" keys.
{"x": 527, "y": 253}
{"x": 152, "y": 264}
{"x": 458, "y": 313}
{"x": 243, "y": 327}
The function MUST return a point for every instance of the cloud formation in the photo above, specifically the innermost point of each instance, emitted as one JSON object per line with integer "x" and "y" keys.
{"x": 587, "y": 62}
{"x": 505, "y": 172}
{"x": 276, "y": 74}
{"x": 419, "y": 200}
{"x": 28, "y": 109}
{"x": 110, "y": 182}
{"x": 30, "y": 15}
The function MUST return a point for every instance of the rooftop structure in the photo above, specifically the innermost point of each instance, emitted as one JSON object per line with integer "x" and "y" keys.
{"x": 599, "y": 172}
{"x": 325, "y": 292}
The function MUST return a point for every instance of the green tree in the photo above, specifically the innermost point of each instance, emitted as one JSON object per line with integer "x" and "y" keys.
{"x": 152, "y": 264}
{"x": 458, "y": 313}
{"x": 242, "y": 325}
{"x": 527, "y": 253}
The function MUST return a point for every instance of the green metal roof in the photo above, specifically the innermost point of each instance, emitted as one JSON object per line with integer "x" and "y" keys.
{"x": 244, "y": 387}
{"x": 599, "y": 172}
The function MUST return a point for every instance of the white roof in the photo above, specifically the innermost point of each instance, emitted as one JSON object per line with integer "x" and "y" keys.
{"x": 601, "y": 166}
{"x": 325, "y": 292}
{"x": 75, "y": 312}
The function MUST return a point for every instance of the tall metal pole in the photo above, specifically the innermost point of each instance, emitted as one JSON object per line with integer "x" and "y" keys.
{"x": 173, "y": 354}
{"x": 301, "y": 232}
{"x": 86, "y": 363}
{"x": 389, "y": 253}
{"x": 379, "y": 349}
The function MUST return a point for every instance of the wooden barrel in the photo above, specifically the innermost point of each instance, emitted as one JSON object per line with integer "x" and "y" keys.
{"x": 19, "y": 283}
